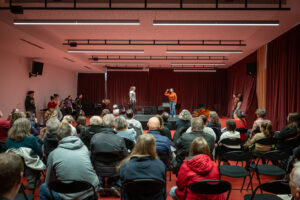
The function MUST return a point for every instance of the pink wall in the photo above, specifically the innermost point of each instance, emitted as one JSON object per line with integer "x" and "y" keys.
{"x": 15, "y": 82}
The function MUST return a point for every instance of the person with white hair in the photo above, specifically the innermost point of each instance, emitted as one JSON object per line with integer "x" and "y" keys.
{"x": 123, "y": 131}
{"x": 86, "y": 133}
{"x": 50, "y": 140}
{"x": 295, "y": 181}
{"x": 68, "y": 119}
{"x": 184, "y": 119}
{"x": 116, "y": 110}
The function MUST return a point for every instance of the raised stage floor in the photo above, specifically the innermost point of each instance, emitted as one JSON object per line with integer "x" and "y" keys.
{"x": 144, "y": 119}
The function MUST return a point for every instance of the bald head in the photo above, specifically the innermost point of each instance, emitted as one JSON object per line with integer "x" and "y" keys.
{"x": 153, "y": 123}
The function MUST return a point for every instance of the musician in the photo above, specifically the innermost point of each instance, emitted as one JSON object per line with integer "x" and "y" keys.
{"x": 132, "y": 97}
{"x": 172, "y": 99}
{"x": 78, "y": 105}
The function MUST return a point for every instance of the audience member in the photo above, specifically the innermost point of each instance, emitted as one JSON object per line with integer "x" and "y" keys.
{"x": 116, "y": 110}
{"x": 133, "y": 123}
{"x": 198, "y": 166}
{"x": 52, "y": 103}
{"x": 4, "y": 126}
{"x": 29, "y": 102}
{"x": 35, "y": 126}
{"x": 103, "y": 145}
{"x": 143, "y": 163}
{"x": 184, "y": 142}
{"x": 241, "y": 124}
{"x": 261, "y": 117}
{"x": 86, "y": 134}
{"x": 105, "y": 112}
{"x": 266, "y": 131}
{"x": 78, "y": 105}
{"x": 68, "y": 119}
{"x": 289, "y": 132}
{"x": 16, "y": 114}
{"x": 123, "y": 131}
{"x": 11, "y": 175}
{"x": 206, "y": 129}
{"x": 50, "y": 140}
{"x": 214, "y": 120}
{"x": 230, "y": 133}
{"x": 295, "y": 182}
{"x": 162, "y": 142}
{"x": 69, "y": 161}
{"x": 166, "y": 117}
{"x": 80, "y": 123}
{"x": 49, "y": 114}
{"x": 184, "y": 119}
{"x": 164, "y": 131}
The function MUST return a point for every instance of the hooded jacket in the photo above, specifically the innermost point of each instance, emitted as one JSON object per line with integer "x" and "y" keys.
{"x": 71, "y": 161}
{"x": 143, "y": 168}
{"x": 197, "y": 168}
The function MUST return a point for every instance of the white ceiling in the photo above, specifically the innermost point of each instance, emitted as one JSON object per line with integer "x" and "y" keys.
{"x": 52, "y": 37}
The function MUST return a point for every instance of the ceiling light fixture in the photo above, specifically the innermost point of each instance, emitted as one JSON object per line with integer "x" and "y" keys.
{"x": 214, "y": 23}
{"x": 118, "y": 63}
{"x": 127, "y": 70}
{"x": 194, "y": 70}
{"x": 213, "y": 64}
{"x": 204, "y": 51}
{"x": 104, "y": 51}
{"x": 76, "y": 22}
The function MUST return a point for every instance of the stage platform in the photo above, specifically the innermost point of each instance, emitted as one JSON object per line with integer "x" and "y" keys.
{"x": 144, "y": 119}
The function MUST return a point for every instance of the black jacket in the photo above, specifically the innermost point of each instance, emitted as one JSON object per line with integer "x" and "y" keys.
{"x": 143, "y": 168}
{"x": 29, "y": 104}
{"x": 184, "y": 142}
{"x": 50, "y": 143}
{"x": 182, "y": 123}
{"x": 285, "y": 134}
{"x": 107, "y": 150}
{"x": 166, "y": 132}
{"x": 86, "y": 133}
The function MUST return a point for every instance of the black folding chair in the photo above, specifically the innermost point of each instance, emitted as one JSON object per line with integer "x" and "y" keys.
{"x": 243, "y": 133}
{"x": 227, "y": 141}
{"x": 265, "y": 141}
{"x": 236, "y": 171}
{"x": 144, "y": 189}
{"x": 274, "y": 187}
{"x": 129, "y": 144}
{"x": 71, "y": 186}
{"x": 165, "y": 158}
{"x": 217, "y": 132}
{"x": 22, "y": 195}
{"x": 210, "y": 187}
{"x": 268, "y": 169}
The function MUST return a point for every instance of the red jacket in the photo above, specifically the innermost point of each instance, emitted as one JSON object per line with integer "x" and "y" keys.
{"x": 198, "y": 168}
{"x": 4, "y": 126}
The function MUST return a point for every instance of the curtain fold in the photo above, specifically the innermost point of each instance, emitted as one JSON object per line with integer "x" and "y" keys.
{"x": 261, "y": 80}
{"x": 283, "y": 73}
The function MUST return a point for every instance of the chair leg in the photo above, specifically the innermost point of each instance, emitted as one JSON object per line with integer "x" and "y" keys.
{"x": 257, "y": 174}
{"x": 243, "y": 183}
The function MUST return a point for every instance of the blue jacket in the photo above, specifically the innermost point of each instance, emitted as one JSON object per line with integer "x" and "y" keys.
{"x": 162, "y": 142}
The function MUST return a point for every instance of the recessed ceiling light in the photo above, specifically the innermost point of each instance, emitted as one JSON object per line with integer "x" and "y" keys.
{"x": 214, "y": 64}
{"x": 76, "y": 22}
{"x": 213, "y": 23}
{"x": 104, "y": 51}
{"x": 204, "y": 51}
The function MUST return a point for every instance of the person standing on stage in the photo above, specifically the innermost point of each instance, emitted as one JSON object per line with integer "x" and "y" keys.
{"x": 173, "y": 100}
{"x": 29, "y": 102}
{"x": 132, "y": 98}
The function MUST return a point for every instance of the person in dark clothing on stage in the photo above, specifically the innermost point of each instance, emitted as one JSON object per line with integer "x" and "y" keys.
{"x": 78, "y": 105}
{"x": 29, "y": 102}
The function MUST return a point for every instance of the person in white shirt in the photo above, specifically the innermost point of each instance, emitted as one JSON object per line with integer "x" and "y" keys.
{"x": 206, "y": 129}
{"x": 230, "y": 133}
{"x": 133, "y": 123}
{"x": 132, "y": 97}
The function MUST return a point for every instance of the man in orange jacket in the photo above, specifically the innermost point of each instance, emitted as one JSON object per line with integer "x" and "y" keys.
{"x": 173, "y": 100}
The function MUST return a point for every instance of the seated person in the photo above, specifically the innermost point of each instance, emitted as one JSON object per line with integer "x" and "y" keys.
{"x": 68, "y": 119}
{"x": 214, "y": 120}
{"x": 206, "y": 129}
{"x": 133, "y": 123}
{"x": 184, "y": 142}
{"x": 80, "y": 123}
{"x": 87, "y": 132}
{"x": 108, "y": 149}
{"x": 291, "y": 131}
{"x": 35, "y": 127}
{"x": 49, "y": 114}
{"x": 50, "y": 140}
{"x": 162, "y": 142}
{"x": 241, "y": 124}
{"x": 11, "y": 175}
{"x": 230, "y": 133}
{"x": 295, "y": 182}
{"x": 16, "y": 114}
{"x": 184, "y": 119}
{"x": 122, "y": 129}
{"x": 261, "y": 117}
{"x": 69, "y": 161}
{"x": 105, "y": 112}
{"x": 4, "y": 126}
{"x": 143, "y": 163}
{"x": 197, "y": 167}
{"x": 166, "y": 117}
{"x": 265, "y": 132}
{"x": 116, "y": 110}
{"x": 163, "y": 130}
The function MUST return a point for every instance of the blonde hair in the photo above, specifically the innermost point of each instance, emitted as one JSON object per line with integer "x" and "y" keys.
{"x": 161, "y": 121}
{"x": 20, "y": 129}
{"x": 214, "y": 118}
{"x": 50, "y": 113}
{"x": 68, "y": 119}
{"x": 199, "y": 146}
{"x": 16, "y": 115}
{"x": 145, "y": 146}
{"x": 185, "y": 115}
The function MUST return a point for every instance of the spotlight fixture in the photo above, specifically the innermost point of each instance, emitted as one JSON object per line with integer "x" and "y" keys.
{"x": 76, "y": 22}
{"x": 214, "y": 23}
{"x": 204, "y": 51}
{"x": 195, "y": 70}
{"x": 213, "y": 64}
{"x": 95, "y": 58}
{"x": 73, "y": 44}
{"x": 16, "y": 9}
{"x": 103, "y": 51}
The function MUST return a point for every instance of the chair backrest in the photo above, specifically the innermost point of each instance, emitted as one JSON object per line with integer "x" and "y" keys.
{"x": 217, "y": 132}
{"x": 145, "y": 189}
{"x": 129, "y": 144}
{"x": 2, "y": 147}
{"x": 266, "y": 141}
{"x": 70, "y": 186}
{"x": 237, "y": 156}
{"x": 275, "y": 187}
{"x": 164, "y": 157}
{"x": 210, "y": 187}
{"x": 231, "y": 141}
{"x": 275, "y": 155}
{"x": 179, "y": 133}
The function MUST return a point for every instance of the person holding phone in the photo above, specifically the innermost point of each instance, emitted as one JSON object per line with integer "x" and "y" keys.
{"x": 172, "y": 99}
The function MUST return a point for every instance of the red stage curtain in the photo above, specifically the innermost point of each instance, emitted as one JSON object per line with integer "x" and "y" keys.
{"x": 118, "y": 84}
{"x": 283, "y": 73}
{"x": 92, "y": 86}
{"x": 240, "y": 82}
